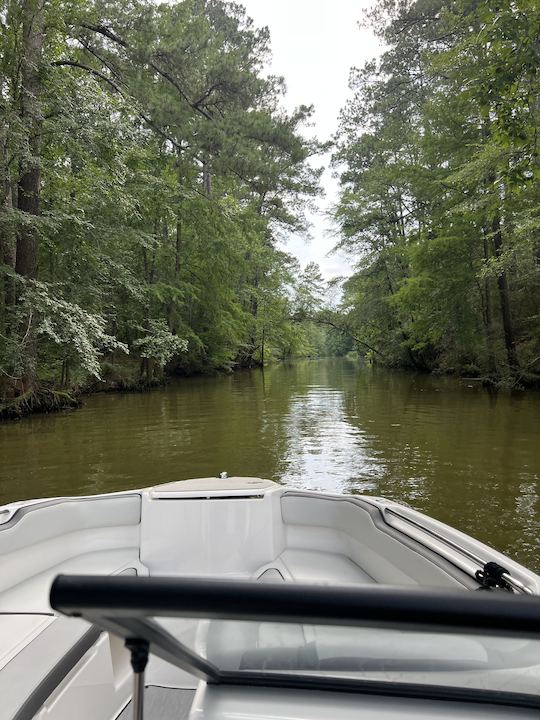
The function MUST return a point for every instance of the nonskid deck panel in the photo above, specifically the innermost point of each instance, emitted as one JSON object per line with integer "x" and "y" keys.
{"x": 162, "y": 703}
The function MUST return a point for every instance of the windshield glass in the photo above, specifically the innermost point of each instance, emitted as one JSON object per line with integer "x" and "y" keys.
{"x": 471, "y": 662}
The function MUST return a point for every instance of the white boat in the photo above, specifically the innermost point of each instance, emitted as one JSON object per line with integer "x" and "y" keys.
{"x": 257, "y": 601}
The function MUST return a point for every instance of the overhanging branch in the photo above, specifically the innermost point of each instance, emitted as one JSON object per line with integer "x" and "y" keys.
{"x": 108, "y": 33}
{"x": 347, "y": 331}
{"x": 117, "y": 89}
{"x": 89, "y": 69}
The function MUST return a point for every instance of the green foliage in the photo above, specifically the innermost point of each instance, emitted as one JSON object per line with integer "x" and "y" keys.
{"x": 168, "y": 170}
{"x": 437, "y": 151}
{"x": 79, "y": 335}
{"x": 159, "y": 343}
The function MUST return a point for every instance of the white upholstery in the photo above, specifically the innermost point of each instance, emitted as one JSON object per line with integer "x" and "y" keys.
{"x": 342, "y": 527}
{"x": 87, "y": 536}
{"x": 322, "y": 568}
{"x": 32, "y": 595}
{"x": 28, "y": 667}
{"x": 17, "y": 631}
{"x": 62, "y": 517}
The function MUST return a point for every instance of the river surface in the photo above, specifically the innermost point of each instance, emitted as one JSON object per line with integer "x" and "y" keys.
{"x": 446, "y": 447}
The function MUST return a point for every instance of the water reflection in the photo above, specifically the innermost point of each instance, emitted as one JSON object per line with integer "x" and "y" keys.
{"x": 324, "y": 450}
{"x": 447, "y": 448}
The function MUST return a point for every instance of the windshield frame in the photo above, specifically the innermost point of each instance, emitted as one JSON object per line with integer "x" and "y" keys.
{"x": 127, "y": 605}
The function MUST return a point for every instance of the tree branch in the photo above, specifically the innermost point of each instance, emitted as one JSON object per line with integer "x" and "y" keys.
{"x": 87, "y": 68}
{"x": 167, "y": 76}
{"x": 346, "y": 331}
{"x": 108, "y": 33}
{"x": 116, "y": 88}
{"x": 100, "y": 59}
{"x": 206, "y": 95}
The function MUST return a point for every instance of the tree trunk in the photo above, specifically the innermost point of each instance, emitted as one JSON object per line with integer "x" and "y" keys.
{"x": 7, "y": 235}
{"x": 178, "y": 247}
{"x": 254, "y": 310}
{"x": 146, "y": 370}
{"x": 171, "y": 314}
{"x": 504, "y": 296}
{"x": 207, "y": 179}
{"x": 65, "y": 374}
{"x": 28, "y": 191}
{"x": 488, "y": 313}
{"x": 502, "y": 280}
{"x": 26, "y": 263}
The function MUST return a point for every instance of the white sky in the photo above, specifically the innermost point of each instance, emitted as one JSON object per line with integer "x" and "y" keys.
{"x": 314, "y": 45}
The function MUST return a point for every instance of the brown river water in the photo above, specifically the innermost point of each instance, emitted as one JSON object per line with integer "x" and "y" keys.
{"x": 446, "y": 447}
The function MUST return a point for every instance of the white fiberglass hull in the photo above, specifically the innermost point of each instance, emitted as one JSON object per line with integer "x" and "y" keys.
{"x": 237, "y": 528}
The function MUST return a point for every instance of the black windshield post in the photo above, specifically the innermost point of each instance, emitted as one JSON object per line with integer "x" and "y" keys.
{"x": 139, "y": 658}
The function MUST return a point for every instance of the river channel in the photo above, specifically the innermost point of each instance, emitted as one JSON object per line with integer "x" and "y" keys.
{"x": 446, "y": 447}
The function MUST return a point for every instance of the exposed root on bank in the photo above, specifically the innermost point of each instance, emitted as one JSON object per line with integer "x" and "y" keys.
{"x": 126, "y": 386}
{"x": 38, "y": 400}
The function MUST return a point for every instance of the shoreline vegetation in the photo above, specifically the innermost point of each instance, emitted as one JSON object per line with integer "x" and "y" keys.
{"x": 439, "y": 161}
{"x": 149, "y": 175}
{"x": 48, "y": 400}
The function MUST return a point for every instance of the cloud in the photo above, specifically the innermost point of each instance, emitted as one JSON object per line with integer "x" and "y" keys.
{"x": 314, "y": 45}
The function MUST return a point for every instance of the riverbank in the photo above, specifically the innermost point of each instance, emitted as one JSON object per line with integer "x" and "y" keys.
{"x": 39, "y": 400}
{"x": 46, "y": 398}
{"x": 127, "y": 379}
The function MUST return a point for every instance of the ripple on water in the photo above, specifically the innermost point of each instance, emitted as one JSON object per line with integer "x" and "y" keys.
{"x": 324, "y": 451}
{"x": 466, "y": 457}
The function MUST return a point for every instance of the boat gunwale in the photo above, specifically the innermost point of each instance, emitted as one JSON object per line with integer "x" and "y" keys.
{"x": 19, "y": 509}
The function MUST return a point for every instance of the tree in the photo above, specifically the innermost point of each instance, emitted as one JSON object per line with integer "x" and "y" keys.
{"x": 147, "y": 169}
{"x": 437, "y": 153}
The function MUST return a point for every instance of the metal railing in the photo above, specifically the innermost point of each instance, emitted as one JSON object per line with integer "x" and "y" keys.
{"x": 512, "y": 581}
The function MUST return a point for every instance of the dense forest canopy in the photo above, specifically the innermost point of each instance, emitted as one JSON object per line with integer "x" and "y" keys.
{"x": 438, "y": 153}
{"x": 148, "y": 171}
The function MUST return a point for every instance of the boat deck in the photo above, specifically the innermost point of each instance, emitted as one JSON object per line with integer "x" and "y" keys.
{"x": 162, "y": 703}
{"x": 232, "y": 529}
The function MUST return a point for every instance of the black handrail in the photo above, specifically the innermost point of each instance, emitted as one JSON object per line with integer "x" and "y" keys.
{"x": 126, "y": 606}
{"x": 95, "y": 597}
